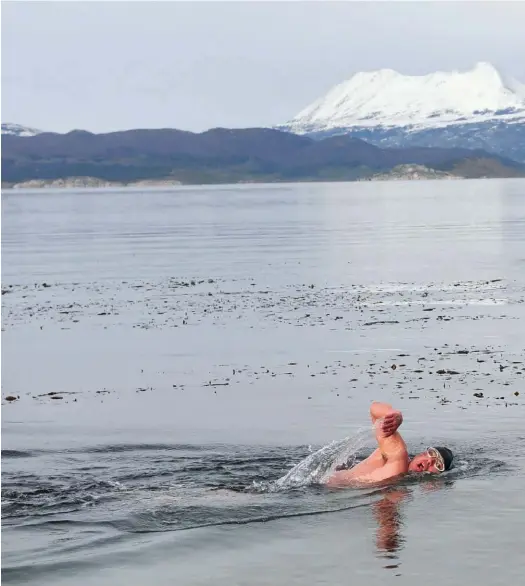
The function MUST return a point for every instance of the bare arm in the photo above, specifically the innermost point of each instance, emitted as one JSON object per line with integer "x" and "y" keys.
{"x": 391, "y": 444}
{"x": 392, "y": 451}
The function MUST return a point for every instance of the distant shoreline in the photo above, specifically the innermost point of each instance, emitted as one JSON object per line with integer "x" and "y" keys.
{"x": 86, "y": 183}
{"x": 402, "y": 173}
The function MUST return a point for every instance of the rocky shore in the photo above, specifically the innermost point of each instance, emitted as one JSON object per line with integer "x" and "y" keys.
{"x": 87, "y": 182}
{"x": 399, "y": 173}
{"x": 411, "y": 173}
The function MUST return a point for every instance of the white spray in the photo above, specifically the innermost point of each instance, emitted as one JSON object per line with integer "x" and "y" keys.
{"x": 317, "y": 467}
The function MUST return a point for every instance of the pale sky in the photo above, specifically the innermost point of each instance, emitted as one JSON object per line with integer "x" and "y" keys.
{"x": 104, "y": 66}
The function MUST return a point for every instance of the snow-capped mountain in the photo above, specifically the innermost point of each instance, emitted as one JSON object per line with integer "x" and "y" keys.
{"x": 19, "y": 130}
{"x": 472, "y": 109}
{"x": 388, "y": 98}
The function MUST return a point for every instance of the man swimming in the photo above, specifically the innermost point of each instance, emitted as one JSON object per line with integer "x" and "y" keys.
{"x": 390, "y": 459}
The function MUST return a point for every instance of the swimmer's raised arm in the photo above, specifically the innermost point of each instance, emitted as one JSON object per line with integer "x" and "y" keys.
{"x": 389, "y": 460}
{"x": 391, "y": 444}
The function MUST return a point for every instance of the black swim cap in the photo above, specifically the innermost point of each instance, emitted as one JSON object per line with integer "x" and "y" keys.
{"x": 447, "y": 456}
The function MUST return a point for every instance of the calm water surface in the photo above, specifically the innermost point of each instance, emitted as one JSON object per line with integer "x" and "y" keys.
{"x": 176, "y": 353}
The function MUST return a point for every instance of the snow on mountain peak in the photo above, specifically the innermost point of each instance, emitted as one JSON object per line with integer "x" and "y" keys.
{"x": 18, "y": 130}
{"x": 390, "y": 99}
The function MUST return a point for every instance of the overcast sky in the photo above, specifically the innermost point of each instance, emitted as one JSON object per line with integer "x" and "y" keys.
{"x": 105, "y": 66}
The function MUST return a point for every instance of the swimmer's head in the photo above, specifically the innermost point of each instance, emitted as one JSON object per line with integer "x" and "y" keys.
{"x": 434, "y": 460}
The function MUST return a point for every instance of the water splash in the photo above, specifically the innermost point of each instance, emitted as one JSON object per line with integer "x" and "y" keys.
{"x": 317, "y": 467}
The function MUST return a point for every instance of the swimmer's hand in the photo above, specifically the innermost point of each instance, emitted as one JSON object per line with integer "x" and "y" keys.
{"x": 391, "y": 422}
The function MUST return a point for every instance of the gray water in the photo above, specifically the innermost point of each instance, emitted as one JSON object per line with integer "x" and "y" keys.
{"x": 179, "y": 357}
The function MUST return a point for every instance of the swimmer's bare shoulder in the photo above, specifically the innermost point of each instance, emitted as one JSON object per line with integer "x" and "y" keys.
{"x": 390, "y": 460}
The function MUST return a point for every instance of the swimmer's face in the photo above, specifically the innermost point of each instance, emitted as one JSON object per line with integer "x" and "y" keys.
{"x": 423, "y": 463}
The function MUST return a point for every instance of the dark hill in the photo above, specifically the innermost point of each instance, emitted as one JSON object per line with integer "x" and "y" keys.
{"x": 216, "y": 155}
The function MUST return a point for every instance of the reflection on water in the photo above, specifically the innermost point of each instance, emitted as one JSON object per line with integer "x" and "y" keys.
{"x": 388, "y": 514}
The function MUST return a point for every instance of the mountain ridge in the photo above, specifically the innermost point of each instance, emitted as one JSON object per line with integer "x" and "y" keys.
{"x": 476, "y": 109}
{"x": 388, "y": 98}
